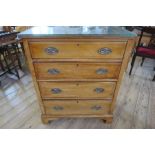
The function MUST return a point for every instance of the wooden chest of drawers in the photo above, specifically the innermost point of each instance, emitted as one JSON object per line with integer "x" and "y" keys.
{"x": 77, "y": 76}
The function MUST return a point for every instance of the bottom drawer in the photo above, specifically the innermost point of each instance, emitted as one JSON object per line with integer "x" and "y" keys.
{"x": 77, "y": 107}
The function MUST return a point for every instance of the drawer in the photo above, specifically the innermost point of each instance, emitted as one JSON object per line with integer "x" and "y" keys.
{"x": 77, "y": 49}
{"x": 77, "y": 107}
{"x": 47, "y": 71}
{"x": 77, "y": 89}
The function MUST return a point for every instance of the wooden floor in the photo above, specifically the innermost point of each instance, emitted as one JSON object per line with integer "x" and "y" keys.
{"x": 135, "y": 107}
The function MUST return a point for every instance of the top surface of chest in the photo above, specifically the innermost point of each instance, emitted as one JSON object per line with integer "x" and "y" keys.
{"x": 77, "y": 31}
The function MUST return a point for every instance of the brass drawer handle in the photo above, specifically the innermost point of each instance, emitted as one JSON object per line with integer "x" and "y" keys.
{"x": 56, "y": 91}
{"x": 101, "y": 71}
{"x": 58, "y": 108}
{"x": 96, "y": 107}
{"x": 99, "y": 90}
{"x": 104, "y": 51}
{"x": 53, "y": 71}
{"x": 51, "y": 50}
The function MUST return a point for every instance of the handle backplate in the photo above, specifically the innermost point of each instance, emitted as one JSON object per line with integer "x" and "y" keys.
{"x": 99, "y": 90}
{"x": 56, "y": 90}
{"x": 51, "y": 50}
{"x": 58, "y": 108}
{"x": 53, "y": 71}
{"x": 104, "y": 51}
{"x": 101, "y": 71}
{"x": 96, "y": 107}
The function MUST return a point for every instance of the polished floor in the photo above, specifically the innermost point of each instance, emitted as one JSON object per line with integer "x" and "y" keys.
{"x": 135, "y": 107}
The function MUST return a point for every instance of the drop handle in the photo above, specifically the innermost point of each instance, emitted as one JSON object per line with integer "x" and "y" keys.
{"x": 56, "y": 90}
{"x": 101, "y": 71}
{"x": 96, "y": 107}
{"x": 53, "y": 71}
{"x": 99, "y": 90}
{"x": 58, "y": 108}
{"x": 51, "y": 50}
{"x": 104, "y": 51}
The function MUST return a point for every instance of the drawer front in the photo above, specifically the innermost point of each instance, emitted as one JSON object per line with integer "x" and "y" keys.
{"x": 46, "y": 71}
{"x": 77, "y": 107}
{"x": 77, "y": 89}
{"x": 77, "y": 49}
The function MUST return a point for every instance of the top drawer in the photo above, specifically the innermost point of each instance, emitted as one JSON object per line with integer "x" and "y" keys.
{"x": 77, "y": 49}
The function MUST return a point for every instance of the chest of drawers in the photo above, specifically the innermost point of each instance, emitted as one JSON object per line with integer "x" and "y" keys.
{"x": 77, "y": 75}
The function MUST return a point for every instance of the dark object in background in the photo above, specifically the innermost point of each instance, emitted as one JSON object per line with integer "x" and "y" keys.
{"x": 130, "y": 28}
{"x": 152, "y": 42}
{"x": 145, "y": 52}
{"x": 7, "y": 36}
{"x": 9, "y": 53}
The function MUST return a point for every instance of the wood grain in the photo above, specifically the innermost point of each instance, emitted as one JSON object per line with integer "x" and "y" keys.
{"x": 77, "y": 70}
{"x": 77, "y": 89}
{"x": 77, "y": 107}
{"x": 77, "y": 49}
{"x": 76, "y": 63}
